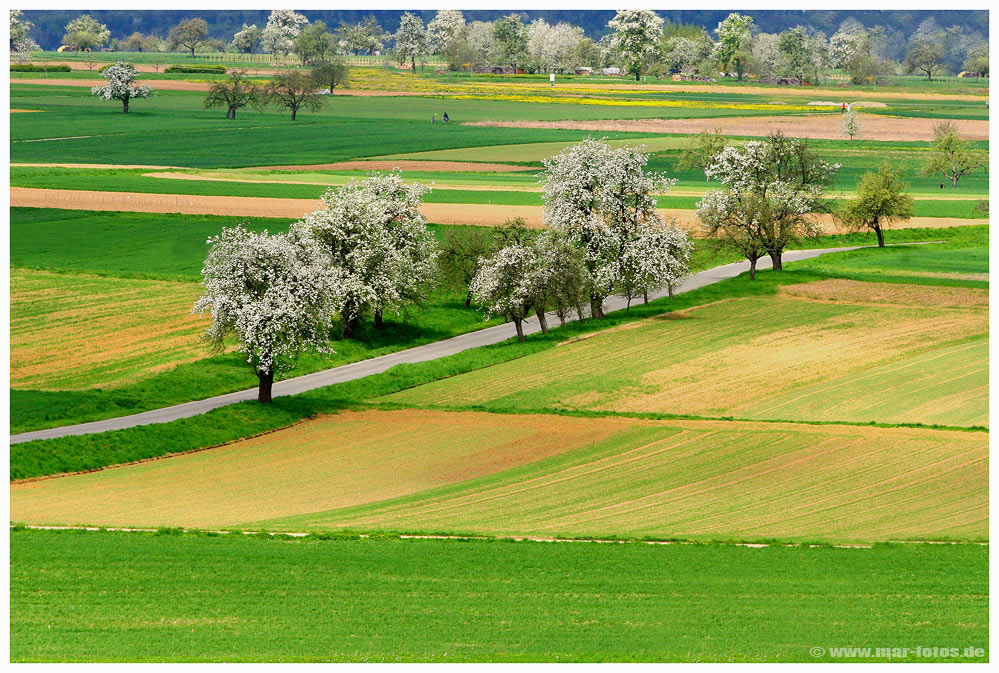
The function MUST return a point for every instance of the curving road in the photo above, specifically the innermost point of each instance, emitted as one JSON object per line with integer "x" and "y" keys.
{"x": 356, "y": 370}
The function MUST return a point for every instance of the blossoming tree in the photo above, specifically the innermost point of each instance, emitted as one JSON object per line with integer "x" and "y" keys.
{"x": 771, "y": 190}
{"x": 601, "y": 197}
{"x": 637, "y": 33}
{"x": 372, "y": 232}
{"x": 503, "y": 285}
{"x": 274, "y": 295}
{"x": 121, "y": 85}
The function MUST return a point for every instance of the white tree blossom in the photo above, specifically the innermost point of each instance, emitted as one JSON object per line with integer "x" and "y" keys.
{"x": 598, "y": 196}
{"x": 20, "y": 29}
{"x": 774, "y": 186}
{"x": 637, "y": 33}
{"x": 274, "y": 294}
{"x": 121, "y": 85}
{"x": 480, "y": 39}
{"x": 247, "y": 39}
{"x": 410, "y": 39}
{"x": 443, "y": 29}
{"x": 283, "y": 26}
{"x": 852, "y": 127}
{"x": 655, "y": 255}
{"x": 552, "y": 47}
{"x": 373, "y": 233}
{"x": 505, "y": 286}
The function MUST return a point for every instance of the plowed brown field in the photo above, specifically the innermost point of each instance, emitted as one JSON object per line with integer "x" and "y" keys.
{"x": 876, "y": 127}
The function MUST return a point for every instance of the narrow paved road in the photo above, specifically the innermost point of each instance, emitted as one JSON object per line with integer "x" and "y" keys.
{"x": 357, "y": 370}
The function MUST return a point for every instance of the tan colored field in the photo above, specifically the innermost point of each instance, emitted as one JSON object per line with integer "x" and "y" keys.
{"x": 608, "y": 476}
{"x": 17, "y": 110}
{"x": 854, "y": 359}
{"x": 845, "y": 95}
{"x": 439, "y": 213}
{"x": 73, "y": 332}
{"x": 709, "y": 479}
{"x": 876, "y": 127}
{"x": 336, "y": 461}
{"x": 841, "y": 290}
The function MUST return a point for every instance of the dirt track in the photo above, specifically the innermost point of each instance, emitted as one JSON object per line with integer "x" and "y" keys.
{"x": 439, "y": 213}
{"x": 382, "y": 164}
{"x": 876, "y": 127}
{"x": 845, "y": 93}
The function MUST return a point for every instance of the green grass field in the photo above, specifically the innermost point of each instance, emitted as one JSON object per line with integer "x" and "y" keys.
{"x": 89, "y": 597}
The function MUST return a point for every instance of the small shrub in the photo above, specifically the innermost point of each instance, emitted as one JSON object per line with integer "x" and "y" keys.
{"x": 31, "y": 67}
{"x": 196, "y": 69}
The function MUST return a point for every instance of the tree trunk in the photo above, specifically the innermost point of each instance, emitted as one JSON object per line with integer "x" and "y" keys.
{"x": 232, "y": 111}
{"x": 124, "y": 105}
{"x": 542, "y": 320}
{"x": 468, "y": 299}
{"x": 596, "y": 308}
{"x": 953, "y": 178}
{"x": 379, "y": 323}
{"x": 669, "y": 287}
{"x": 412, "y": 62}
{"x": 579, "y": 313}
{"x": 752, "y": 268}
{"x": 294, "y": 111}
{"x": 266, "y": 382}
{"x": 775, "y": 258}
{"x": 645, "y": 295}
{"x": 519, "y": 324}
{"x": 638, "y": 76}
{"x": 881, "y": 236}
{"x": 348, "y": 328}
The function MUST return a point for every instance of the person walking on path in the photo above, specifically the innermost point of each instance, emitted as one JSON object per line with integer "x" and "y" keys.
{"x": 433, "y": 118}
{"x": 842, "y": 111}
{"x": 446, "y": 118}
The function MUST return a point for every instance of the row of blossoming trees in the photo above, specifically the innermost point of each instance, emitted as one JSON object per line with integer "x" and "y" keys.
{"x": 367, "y": 250}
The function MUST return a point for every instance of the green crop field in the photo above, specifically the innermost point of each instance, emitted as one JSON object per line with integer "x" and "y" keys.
{"x": 133, "y": 597}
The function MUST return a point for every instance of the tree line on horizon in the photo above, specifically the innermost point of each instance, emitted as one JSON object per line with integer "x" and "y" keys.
{"x": 640, "y": 42}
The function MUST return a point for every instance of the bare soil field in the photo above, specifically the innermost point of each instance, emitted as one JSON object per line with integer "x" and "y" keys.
{"x": 18, "y": 110}
{"x": 842, "y": 95}
{"x": 389, "y": 164}
{"x": 876, "y": 127}
{"x": 841, "y": 290}
{"x": 147, "y": 67}
{"x": 74, "y": 332}
{"x": 334, "y": 461}
{"x": 476, "y": 214}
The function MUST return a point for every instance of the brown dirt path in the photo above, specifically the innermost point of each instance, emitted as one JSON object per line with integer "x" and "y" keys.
{"x": 845, "y": 94}
{"x": 827, "y": 126}
{"x": 439, "y": 213}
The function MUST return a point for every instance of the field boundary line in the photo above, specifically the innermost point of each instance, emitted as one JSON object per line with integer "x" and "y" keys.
{"x": 489, "y": 538}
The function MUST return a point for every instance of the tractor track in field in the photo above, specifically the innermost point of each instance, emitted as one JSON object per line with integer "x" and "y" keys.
{"x": 356, "y": 370}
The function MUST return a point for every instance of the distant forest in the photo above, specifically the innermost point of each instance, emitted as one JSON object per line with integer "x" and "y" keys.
{"x": 222, "y": 24}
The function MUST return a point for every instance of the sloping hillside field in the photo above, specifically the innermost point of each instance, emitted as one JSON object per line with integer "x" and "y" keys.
{"x": 548, "y": 475}
{"x": 838, "y": 350}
